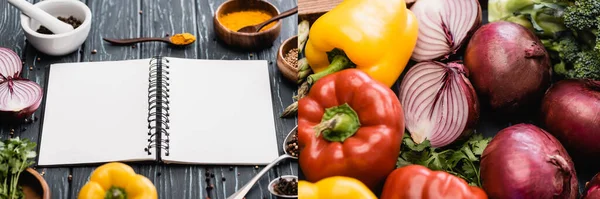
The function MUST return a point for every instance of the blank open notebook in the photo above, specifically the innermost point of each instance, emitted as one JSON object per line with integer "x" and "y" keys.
{"x": 173, "y": 110}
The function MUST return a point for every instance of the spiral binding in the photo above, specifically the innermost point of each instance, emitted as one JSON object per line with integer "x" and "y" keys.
{"x": 158, "y": 106}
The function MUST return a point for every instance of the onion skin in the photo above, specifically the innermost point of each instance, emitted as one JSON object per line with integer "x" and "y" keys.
{"x": 571, "y": 112}
{"x": 592, "y": 188}
{"x": 524, "y": 161}
{"x": 509, "y": 68}
{"x": 431, "y": 89}
{"x": 444, "y": 27}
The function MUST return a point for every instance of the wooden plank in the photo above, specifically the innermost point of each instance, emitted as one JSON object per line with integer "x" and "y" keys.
{"x": 311, "y": 10}
{"x": 307, "y": 7}
{"x": 58, "y": 181}
{"x": 12, "y": 38}
{"x": 112, "y": 18}
{"x": 35, "y": 70}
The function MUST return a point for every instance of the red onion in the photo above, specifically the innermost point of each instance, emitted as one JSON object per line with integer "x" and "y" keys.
{"x": 440, "y": 103}
{"x": 509, "y": 68}
{"x": 444, "y": 26}
{"x": 524, "y": 161}
{"x": 592, "y": 188}
{"x": 18, "y": 97}
{"x": 10, "y": 64}
{"x": 571, "y": 112}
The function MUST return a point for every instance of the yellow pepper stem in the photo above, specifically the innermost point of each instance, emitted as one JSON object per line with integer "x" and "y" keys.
{"x": 338, "y": 63}
{"x": 116, "y": 193}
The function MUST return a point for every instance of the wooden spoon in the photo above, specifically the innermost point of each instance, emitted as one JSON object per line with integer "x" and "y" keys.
{"x": 256, "y": 28}
{"x": 142, "y": 39}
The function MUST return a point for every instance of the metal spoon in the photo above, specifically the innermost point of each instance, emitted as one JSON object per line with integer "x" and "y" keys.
{"x": 241, "y": 193}
{"x": 142, "y": 39}
{"x": 256, "y": 28}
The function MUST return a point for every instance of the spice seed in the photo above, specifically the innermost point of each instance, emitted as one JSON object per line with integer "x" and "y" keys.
{"x": 133, "y": 46}
{"x": 38, "y": 59}
{"x": 70, "y": 177}
{"x": 223, "y": 179}
{"x": 94, "y": 51}
{"x": 230, "y": 168}
{"x": 256, "y": 167}
{"x": 141, "y": 11}
{"x": 291, "y": 57}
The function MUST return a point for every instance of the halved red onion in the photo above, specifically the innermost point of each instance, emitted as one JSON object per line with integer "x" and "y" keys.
{"x": 10, "y": 64}
{"x": 444, "y": 26}
{"x": 20, "y": 98}
{"x": 439, "y": 102}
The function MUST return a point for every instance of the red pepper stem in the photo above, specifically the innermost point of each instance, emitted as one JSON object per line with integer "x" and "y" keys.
{"x": 338, "y": 63}
{"x": 116, "y": 193}
{"x": 338, "y": 123}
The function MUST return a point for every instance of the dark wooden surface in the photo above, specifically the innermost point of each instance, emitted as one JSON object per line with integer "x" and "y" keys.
{"x": 124, "y": 19}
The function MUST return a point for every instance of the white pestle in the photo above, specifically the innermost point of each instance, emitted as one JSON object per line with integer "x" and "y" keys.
{"x": 47, "y": 20}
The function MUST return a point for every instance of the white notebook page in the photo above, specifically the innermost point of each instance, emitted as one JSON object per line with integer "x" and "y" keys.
{"x": 220, "y": 113}
{"x": 96, "y": 112}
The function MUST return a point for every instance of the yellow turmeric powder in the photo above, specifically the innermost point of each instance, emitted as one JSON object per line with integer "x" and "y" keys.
{"x": 183, "y": 39}
{"x": 237, "y": 20}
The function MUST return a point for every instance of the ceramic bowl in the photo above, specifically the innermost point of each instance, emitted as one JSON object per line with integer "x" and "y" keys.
{"x": 58, "y": 44}
{"x": 289, "y": 72}
{"x": 273, "y": 182}
{"x": 246, "y": 41}
{"x": 33, "y": 184}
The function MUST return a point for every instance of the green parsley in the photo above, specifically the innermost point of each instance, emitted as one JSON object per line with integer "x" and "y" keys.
{"x": 460, "y": 159}
{"x": 15, "y": 155}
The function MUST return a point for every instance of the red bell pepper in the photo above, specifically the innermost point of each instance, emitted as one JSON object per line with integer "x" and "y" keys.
{"x": 349, "y": 125}
{"x": 418, "y": 182}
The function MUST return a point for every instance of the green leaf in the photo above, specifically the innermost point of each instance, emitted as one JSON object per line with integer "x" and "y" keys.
{"x": 455, "y": 158}
{"x": 478, "y": 146}
{"x": 436, "y": 163}
{"x": 402, "y": 163}
{"x": 467, "y": 151}
{"x": 421, "y": 147}
{"x": 468, "y": 170}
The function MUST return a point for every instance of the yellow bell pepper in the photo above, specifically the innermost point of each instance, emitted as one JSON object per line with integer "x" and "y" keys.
{"x": 377, "y": 36}
{"x": 334, "y": 187}
{"x": 117, "y": 181}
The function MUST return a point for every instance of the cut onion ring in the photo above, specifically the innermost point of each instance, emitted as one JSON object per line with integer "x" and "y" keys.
{"x": 444, "y": 26}
{"x": 440, "y": 104}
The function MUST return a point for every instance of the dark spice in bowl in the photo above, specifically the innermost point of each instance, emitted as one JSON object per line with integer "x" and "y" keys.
{"x": 292, "y": 145}
{"x": 286, "y": 187}
{"x": 291, "y": 57}
{"x": 71, "y": 20}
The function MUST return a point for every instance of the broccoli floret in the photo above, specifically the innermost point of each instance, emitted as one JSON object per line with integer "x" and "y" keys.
{"x": 586, "y": 66}
{"x": 575, "y": 62}
{"x": 583, "y": 15}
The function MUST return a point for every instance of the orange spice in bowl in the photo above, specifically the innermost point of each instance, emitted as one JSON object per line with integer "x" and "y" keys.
{"x": 239, "y": 19}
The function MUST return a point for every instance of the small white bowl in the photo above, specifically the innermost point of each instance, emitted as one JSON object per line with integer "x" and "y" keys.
{"x": 273, "y": 182}
{"x": 59, "y": 44}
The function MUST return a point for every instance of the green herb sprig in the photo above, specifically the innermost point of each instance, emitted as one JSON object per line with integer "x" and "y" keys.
{"x": 15, "y": 157}
{"x": 460, "y": 159}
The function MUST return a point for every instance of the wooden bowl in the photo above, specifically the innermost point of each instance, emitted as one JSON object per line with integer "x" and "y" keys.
{"x": 246, "y": 41}
{"x": 289, "y": 72}
{"x": 33, "y": 184}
